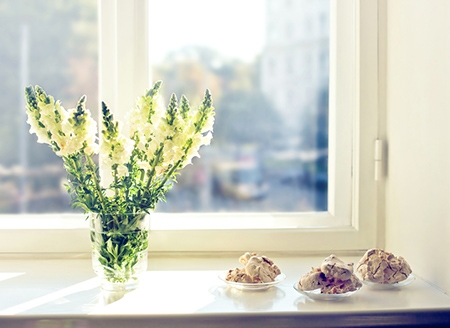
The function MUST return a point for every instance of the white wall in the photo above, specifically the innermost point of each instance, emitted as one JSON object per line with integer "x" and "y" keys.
{"x": 418, "y": 136}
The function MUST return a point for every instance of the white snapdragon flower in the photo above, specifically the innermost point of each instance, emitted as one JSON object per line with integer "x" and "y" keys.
{"x": 209, "y": 124}
{"x": 115, "y": 148}
{"x": 52, "y": 115}
{"x": 38, "y": 128}
{"x": 143, "y": 165}
{"x": 192, "y": 151}
{"x": 144, "y": 119}
{"x": 165, "y": 130}
{"x": 79, "y": 132}
{"x": 68, "y": 132}
{"x": 122, "y": 170}
{"x": 206, "y": 140}
{"x": 35, "y": 119}
{"x": 91, "y": 146}
{"x": 149, "y": 109}
{"x": 152, "y": 148}
{"x": 121, "y": 150}
{"x": 170, "y": 126}
{"x": 199, "y": 130}
{"x": 170, "y": 154}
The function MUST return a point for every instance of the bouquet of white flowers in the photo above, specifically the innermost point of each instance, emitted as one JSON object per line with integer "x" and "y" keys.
{"x": 142, "y": 158}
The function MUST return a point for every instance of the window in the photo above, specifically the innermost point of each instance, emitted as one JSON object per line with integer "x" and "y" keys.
{"x": 53, "y": 44}
{"x": 258, "y": 134}
{"x": 349, "y": 221}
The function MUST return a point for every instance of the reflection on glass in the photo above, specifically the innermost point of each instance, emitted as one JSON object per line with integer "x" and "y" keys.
{"x": 266, "y": 63}
{"x": 53, "y": 44}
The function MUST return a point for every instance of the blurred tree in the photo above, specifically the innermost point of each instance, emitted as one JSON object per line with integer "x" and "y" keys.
{"x": 189, "y": 71}
{"x": 246, "y": 117}
{"x": 314, "y": 126}
{"x": 243, "y": 115}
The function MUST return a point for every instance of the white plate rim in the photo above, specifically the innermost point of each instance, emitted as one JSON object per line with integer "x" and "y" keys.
{"x": 411, "y": 278}
{"x": 317, "y": 295}
{"x": 250, "y": 286}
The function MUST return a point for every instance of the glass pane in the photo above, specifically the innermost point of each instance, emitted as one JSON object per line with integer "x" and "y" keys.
{"x": 266, "y": 64}
{"x": 52, "y": 44}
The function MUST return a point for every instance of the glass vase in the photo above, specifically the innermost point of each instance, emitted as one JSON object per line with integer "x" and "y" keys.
{"x": 119, "y": 249}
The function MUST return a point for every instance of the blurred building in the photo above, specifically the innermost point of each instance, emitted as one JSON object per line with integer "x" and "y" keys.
{"x": 295, "y": 61}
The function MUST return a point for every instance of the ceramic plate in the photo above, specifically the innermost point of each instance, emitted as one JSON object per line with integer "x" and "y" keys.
{"x": 317, "y": 295}
{"x": 375, "y": 285}
{"x": 250, "y": 286}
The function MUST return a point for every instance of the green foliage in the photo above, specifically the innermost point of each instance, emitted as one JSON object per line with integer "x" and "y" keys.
{"x": 122, "y": 238}
{"x": 132, "y": 196}
{"x": 79, "y": 116}
{"x": 118, "y": 241}
{"x": 172, "y": 110}
{"x": 111, "y": 128}
{"x": 154, "y": 90}
{"x": 81, "y": 186}
{"x": 31, "y": 99}
{"x": 204, "y": 110}
{"x": 185, "y": 108}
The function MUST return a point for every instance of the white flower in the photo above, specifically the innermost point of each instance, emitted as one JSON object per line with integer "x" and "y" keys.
{"x": 190, "y": 130}
{"x": 79, "y": 132}
{"x": 143, "y": 165}
{"x": 52, "y": 116}
{"x": 152, "y": 148}
{"x": 116, "y": 151}
{"x": 209, "y": 124}
{"x": 180, "y": 140}
{"x": 160, "y": 140}
{"x": 122, "y": 170}
{"x": 206, "y": 140}
{"x": 159, "y": 170}
{"x": 91, "y": 146}
{"x": 122, "y": 150}
{"x": 164, "y": 130}
{"x": 169, "y": 157}
{"x": 178, "y": 155}
{"x": 144, "y": 119}
{"x": 115, "y": 148}
{"x": 40, "y": 132}
{"x": 68, "y": 132}
{"x": 109, "y": 193}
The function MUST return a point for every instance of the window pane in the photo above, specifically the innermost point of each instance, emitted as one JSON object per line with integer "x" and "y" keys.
{"x": 52, "y": 44}
{"x": 266, "y": 63}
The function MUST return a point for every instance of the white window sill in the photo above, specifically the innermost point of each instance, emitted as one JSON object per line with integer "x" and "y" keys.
{"x": 185, "y": 291}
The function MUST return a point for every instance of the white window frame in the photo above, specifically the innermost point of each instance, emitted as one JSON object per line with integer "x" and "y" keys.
{"x": 351, "y": 222}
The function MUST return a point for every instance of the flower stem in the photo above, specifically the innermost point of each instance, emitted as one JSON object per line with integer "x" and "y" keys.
{"x": 96, "y": 182}
{"x": 116, "y": 192}
{"x": 152, "y": 172}
{"x": 168, "y": 175}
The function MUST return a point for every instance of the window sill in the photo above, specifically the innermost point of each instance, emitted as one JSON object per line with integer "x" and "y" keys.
{"x": 185, "y": 291}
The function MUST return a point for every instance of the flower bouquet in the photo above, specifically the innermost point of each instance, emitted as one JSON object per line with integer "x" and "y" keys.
{"x": 140, "y": 160}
